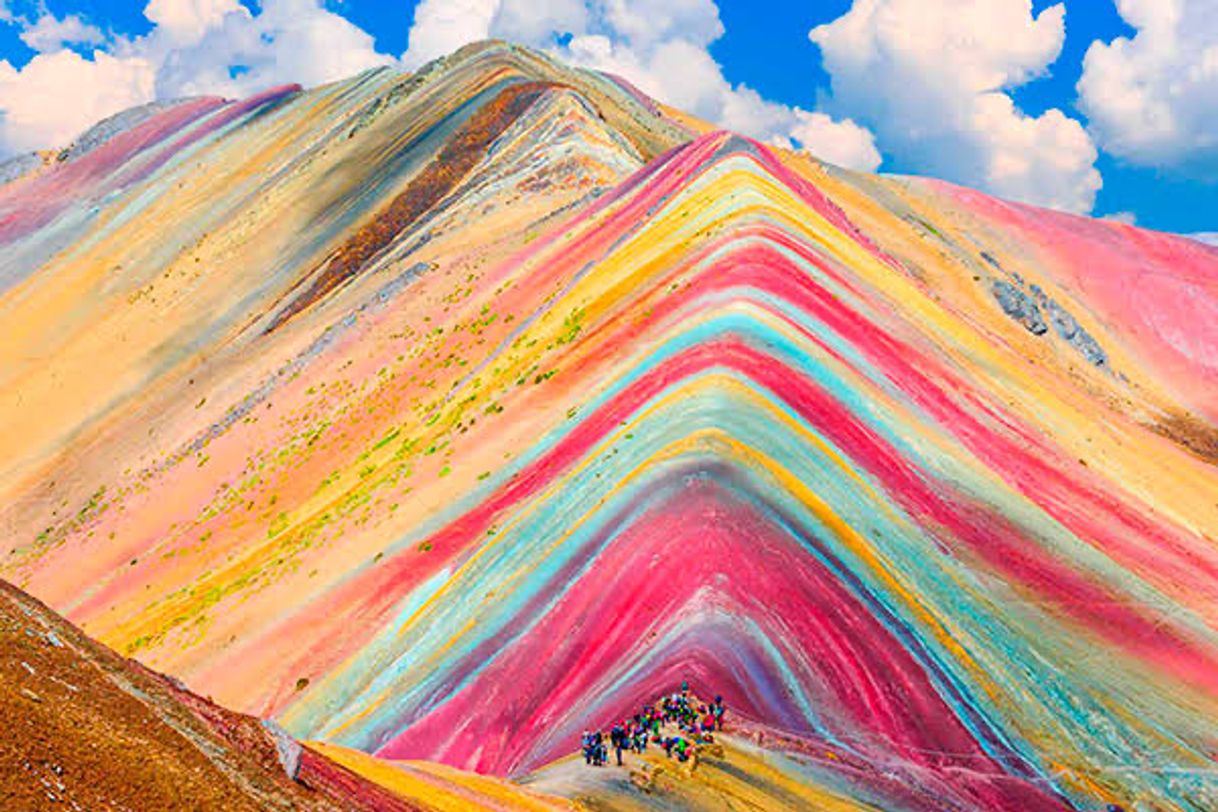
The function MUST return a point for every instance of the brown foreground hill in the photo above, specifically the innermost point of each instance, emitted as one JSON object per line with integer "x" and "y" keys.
{"x": 82, "y": 728}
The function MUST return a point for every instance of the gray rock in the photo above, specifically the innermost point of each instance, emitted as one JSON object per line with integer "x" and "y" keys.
{"x": 18, "y": 165}
{"x": 988, "y": 257}
{"x": 1066, "y": 326}
{"x": 1063, "y": 323}
{"x": 1089, "y": 348}
{"x": 1019, "y": 306}
{"x": 288, "y": 748}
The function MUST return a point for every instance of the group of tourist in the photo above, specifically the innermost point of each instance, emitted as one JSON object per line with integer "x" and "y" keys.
{"x": 695, "y": 724}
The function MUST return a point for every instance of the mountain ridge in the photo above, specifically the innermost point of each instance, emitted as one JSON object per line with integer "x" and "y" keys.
{"x": 377, "y": 385}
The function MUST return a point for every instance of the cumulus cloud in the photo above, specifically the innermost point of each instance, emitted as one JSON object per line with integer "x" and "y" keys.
{"x": 1153, "y": 99}
{"x": 839, "y": 142}
{"x": 659, "y": 45}
{"x": 195, "y": 47}
{"x": 932, "y": 78}
{"x": 188, "y": 21}
{"x": 442, "y": 26}
{"x": 57, "y": 95}
{"x": 235, "y": 53}
{"x": 49, "y": 33}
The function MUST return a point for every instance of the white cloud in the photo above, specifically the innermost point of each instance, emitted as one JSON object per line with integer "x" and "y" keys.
{"x": 237, "y": 53}
{"x": 536, "y": 21}
{"x": 1207, "y": 237}
{"x": 57, "y": 95}
{"x": 49, "y": 33}
{"x": 195, "y": 47}
{"x": 931, "y": 78}
{"x": 646, "y": 23}
{"x": 1126, "y": 217}
{"x": 659, "y": 45}
{"x": 442, "y": 26}
{"x": 1153, "y": 99}
{"x": 839, "y": 142}
{"x": 187, "y": 21}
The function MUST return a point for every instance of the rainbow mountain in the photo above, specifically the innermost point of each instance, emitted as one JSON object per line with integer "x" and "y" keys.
{"x": 441, "y": 416}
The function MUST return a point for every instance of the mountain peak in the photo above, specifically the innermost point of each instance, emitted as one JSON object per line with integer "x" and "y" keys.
{"x": 441, "y": 416}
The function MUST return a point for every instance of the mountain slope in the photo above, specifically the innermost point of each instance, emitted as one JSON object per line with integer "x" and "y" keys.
{"x": 86, "y": 729}
{"x": 443, "y": 416}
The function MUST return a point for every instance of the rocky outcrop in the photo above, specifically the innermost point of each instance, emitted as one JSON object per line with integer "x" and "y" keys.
{"x": 1027, "y": 307}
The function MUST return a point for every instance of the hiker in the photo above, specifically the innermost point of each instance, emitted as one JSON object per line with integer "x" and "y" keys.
{"x": 682, "y": 750}
{"x": 617, "y": 736}
{"x": 600, "y": 754}
{"x": 589, "y": 748}
{"x": 640, "y": 740}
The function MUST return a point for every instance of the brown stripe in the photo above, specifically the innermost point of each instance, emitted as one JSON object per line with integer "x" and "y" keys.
{"x": 458, "y": 156}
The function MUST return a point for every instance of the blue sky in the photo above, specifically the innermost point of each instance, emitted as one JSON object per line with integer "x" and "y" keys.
{"x": 1003, "y": 95}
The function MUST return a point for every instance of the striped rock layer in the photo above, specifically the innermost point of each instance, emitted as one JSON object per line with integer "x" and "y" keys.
{"x": 443, "y": 416}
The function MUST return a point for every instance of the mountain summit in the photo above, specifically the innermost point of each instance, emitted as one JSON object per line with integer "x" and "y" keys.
{"x": 443, "y": 416}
